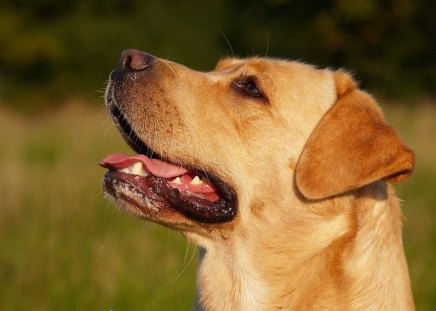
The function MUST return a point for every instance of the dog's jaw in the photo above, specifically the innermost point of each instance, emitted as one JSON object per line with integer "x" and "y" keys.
{"x": 193, "y": 208}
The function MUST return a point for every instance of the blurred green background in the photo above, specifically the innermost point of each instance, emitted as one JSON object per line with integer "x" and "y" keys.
{"x": 63, "y": 246}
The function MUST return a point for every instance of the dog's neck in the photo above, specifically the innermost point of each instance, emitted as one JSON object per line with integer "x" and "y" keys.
{"x": 352, "y": 259}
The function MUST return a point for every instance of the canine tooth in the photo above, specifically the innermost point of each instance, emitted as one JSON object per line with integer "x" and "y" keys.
{"x": 177, "y": 180}
{"x": 126, "y": 170}
{"x": 137, "y": 169}
{"x": 196, "y": 181}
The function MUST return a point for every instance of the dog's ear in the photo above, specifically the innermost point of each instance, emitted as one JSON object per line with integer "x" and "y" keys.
{"x": 350, "y": 147}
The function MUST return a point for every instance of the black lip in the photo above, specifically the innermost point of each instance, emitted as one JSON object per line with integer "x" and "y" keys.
{"x": 129, "y": 134}
{"x": 158, "y": 189}
{"x": 221, "y": 211}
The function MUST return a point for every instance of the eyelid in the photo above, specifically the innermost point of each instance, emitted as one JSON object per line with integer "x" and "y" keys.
{"x": 243, "y": 81}
{"x": 239, "y": 84}
{"x": 246, "y": 79}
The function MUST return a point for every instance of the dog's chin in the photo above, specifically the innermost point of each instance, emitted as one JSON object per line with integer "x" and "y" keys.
{"x": 130, "y": 199}
{"x": 134, "y": 202}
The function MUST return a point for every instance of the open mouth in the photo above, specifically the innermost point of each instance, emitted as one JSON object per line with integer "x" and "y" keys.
{"x": 196, "y": 194}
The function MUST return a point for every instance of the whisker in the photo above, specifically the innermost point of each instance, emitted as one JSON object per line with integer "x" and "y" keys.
{"x": 172, "y": 281}
{"x": 228, "y": 42}
{"x": 267, "y": 40}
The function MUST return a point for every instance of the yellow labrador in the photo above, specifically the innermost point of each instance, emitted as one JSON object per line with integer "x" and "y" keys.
{"x": 280, "y": 172}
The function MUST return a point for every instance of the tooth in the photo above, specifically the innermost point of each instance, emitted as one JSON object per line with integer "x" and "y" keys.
{"x": 136, "y": 169}
{"x": 196, "y": 181}
{"x": 177, "y": 180}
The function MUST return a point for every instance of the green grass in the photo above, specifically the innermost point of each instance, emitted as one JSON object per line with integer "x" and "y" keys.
{"x": 63, "y": 247}
{"x": 418, "y": 127}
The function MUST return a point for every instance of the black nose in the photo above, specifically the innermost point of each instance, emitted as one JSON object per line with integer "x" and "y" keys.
{"x": 134, "y": 60}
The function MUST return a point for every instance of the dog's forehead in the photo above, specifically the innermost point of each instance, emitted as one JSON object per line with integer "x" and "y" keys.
{"x": 295, "y": 89}
{"x": 228, "y": 63}
{"x": 254, "y": 65}
{"x": 277, "y": 71}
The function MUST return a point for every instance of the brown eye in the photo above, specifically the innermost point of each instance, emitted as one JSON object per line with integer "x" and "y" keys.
{"x": 248, "y": 87}
{"x": 252, "y": 90}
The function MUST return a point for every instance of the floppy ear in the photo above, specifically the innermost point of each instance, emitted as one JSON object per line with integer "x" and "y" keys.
{"x": 351, "y": 146}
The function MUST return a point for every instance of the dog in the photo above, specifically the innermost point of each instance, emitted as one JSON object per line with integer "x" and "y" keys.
{"x": 278, "y": 170}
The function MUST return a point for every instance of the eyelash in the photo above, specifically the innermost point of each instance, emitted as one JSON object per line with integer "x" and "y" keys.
{"x": 249, "y": 87}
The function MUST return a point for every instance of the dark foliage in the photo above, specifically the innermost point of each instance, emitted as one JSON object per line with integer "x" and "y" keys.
{"x": 54, "y": 50}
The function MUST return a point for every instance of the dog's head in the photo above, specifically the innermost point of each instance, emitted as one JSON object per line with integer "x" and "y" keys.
{"x": 232, "y": 145}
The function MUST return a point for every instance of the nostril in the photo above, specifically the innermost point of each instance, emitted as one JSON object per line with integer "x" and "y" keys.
{"x": 126, "y": 61}
{"x": 134, "y": 60}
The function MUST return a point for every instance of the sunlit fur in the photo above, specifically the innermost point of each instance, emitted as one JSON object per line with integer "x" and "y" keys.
{"x": 306, "y": 237}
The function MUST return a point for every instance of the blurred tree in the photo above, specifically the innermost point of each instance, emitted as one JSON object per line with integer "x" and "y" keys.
{"x": 52, "y": 50}
{"x": 391, "y": 44}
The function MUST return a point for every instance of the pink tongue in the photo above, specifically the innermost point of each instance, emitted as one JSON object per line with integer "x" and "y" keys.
{"x": 156, "y": 167}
